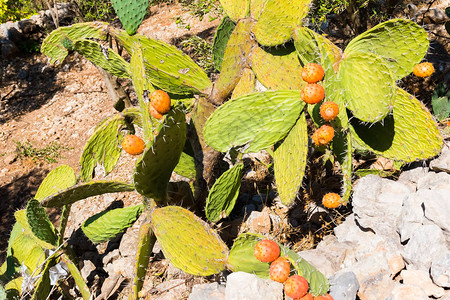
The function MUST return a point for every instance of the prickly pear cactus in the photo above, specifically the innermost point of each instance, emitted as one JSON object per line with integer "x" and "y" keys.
{"x": 106, "y": 225}
{"x": 223, "y": 194}
{"x": 189, "y": 243}
{"x": 154, "y": 168}
{"x": 220, "y": 41}
{"x": 40, "y": 224}
{"x": 58, "y": 179}
{"x": 131, "y": 13}
{"x": 254, "y": 122}
{"x": 242, "y": 258}
{"x": 290, "y": 161}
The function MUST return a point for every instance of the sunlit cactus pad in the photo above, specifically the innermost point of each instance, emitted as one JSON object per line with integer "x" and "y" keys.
{"x": 189, "y": 243}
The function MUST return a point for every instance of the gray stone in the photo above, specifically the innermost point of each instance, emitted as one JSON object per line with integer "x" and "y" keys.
{"x": 87, "y": 269}
{"x": 403, "y": 291}
{"x": 245, "y": 286}
{"x": 434, "y": 181}
{"x": 124, "y": 266}
{"x": 427, "y": 242}
{"x": 349, "y": 231}
{"x": 411, "y": 177}
{"x": 111, "y": 256}
{"x": 210, "y": 291}
{"x": 174, "y": 289}
{"x": 437, "y": 208}
{"x": 412, "y": 215}
{"x": 344, "y": 286}
{"x": 377, "y": 203}
{"x": 440, "y": 270}
{"x": 375, "y": 287}
{"x": 317, "y": 258}
{"x": 422, "y": 279}
{"x": 442, "y": 163}
{"x": 339, "y": 254}
{"x": 129, "y": 241}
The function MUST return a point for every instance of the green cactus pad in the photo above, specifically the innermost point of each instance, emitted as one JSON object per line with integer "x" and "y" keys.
{"x": 246, "y": 84}
{"x": 256, "y": 8}
{"x": 58, "y": 179}
{"x": 21, "y": 218}
{"x": 235, "y": 59}
{"x": 147, "y": 240}
{"x": 142, "y": 85}
{"x": 242, "y": 258}
{"x": 102, "y": 148}
{"x": 290, "y": 161}
{"x": 278, "y": 19}
{"x": 186, "y": 166}
{"x": 131, "y": 13}
{"x": 85, "y": 190}
{"x": 40, "y": 224}
{"x": 166, "y": 67}
{"x": 409, "y": 134}
{"x": 43, "y": 287}
{"x": 78, "y": 278}
{"x": 189, "y": 243}
{"x": 280, "y": 70}
{"x": 220, "y": 41}
{"x": 53, "y": 47}
{"x": 369, "y": 88}
{"x": 105, "y": 58}
{"x": 28, "y": 252}
{"x": 108, "y": 224}
{"x": 223, "y": 194}
{"x": 154, "y": 168}
{"x": 314, "y": 48}
{"x": 256, "y": 121}
{"x": 236, "y": 10}
{"x": 342, "y": 149}
{"x": 401, "y": 43}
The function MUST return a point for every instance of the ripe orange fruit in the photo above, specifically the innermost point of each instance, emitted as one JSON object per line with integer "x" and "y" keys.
{"x": 280, "y": 269}
{"x": 296, "y": 286}
{"x": 331, "y": 200}
{"x": 323, "y": 135}
{"x": 313, "y": 93}
{"x": 324, "y": 297}
{"x": 160, "y": 100}
{"x": 424, "y": 69}
{"x": 308, "y": 296}
{"x": 312, "y": 73}
{"x": 329, "y": 110}
{"x": 267, "y": 251}
{"x": 132, "y": 144}
{"x": 155, "y": 114}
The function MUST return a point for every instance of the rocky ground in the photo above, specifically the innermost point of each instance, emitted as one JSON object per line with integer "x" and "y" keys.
{"x": 393, "y": 244}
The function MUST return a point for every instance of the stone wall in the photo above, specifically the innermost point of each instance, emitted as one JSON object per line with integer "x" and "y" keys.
{"x": 14, "y": 36}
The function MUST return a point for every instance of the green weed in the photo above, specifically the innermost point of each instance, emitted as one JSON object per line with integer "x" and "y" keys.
{"x": 49, "y": 153}
{"x": 200, "y": 51}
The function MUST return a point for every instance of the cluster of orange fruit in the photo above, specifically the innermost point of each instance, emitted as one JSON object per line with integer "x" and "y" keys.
{"x": 295, "y": 286}
{"x": 314, "y": 93}
{"x": 159, "y": 106}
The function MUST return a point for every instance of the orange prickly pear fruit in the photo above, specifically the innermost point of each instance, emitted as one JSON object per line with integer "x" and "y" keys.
{"x": 160, "y": 100}
{"x": 280, "y": 269}
{"x": 329, "y": 110}
{"x": 312, "y": 73}
{"x": 267, "y": 251}
{"x": 308, "y": 296}
{"x": 312, "y": 93}
{"x": 424, "y": 69}
{"x": 154, "y": 113}
{"x": 323, "y": 135}
{"x": 132, "y": 144}
{"x": 296, "y": 286}
{"x": 324, "y": 297}
{"x": 331, "y": 200}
